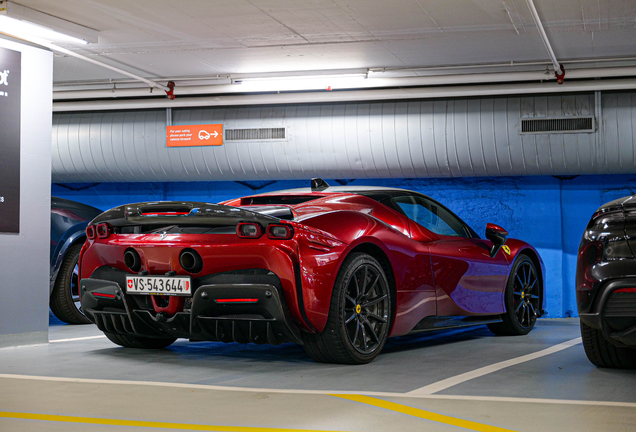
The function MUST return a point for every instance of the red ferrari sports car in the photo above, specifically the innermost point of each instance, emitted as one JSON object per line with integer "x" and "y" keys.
{"x": 336, "y": 269}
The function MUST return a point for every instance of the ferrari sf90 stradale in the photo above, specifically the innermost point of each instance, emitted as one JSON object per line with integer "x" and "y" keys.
{"x": 336, "y": 269}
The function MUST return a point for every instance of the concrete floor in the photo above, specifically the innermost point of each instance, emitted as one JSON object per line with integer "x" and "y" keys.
{"x": 445, "y": 381}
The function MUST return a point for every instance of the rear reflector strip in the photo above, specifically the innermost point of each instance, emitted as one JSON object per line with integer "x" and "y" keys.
{"x": 626, "y": 290}
{"x": 104, "y": 295}
{"x": 238, "y": 300}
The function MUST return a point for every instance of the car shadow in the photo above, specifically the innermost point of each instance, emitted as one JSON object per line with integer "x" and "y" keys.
{"x": 435, "y": 338}
{"x": 193, "y": 352}
{"x": 206, "y": 352}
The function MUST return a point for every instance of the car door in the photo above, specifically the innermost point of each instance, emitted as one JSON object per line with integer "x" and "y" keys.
{"x": 467, "y": 280}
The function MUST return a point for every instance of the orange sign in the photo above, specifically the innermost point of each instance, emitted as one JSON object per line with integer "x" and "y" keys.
{"x": 194, "y": 135}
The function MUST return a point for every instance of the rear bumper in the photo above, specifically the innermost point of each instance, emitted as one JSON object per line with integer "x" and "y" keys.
{"x": 615, "y": 316}
{"x": 266, "y": 319}
{"x": 307, "y": 300}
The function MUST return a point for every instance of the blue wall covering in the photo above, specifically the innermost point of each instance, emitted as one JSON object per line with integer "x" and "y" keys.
{"x": 549, "y": 213}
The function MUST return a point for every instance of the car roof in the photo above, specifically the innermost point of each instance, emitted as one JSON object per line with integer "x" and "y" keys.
{"x": 361, "y": 190}
{"x": 377, "y": 193}
{"x": 620, "y": 202}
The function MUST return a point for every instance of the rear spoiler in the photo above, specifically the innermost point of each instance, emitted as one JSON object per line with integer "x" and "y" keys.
{"x": 180, "y": 213}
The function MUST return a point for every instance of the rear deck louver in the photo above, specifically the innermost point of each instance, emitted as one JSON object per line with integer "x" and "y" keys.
{"x": 262, "y": 134}
{"x": 558, "y": 125}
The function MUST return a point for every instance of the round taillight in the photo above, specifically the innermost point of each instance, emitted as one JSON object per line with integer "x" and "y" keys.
{"x": 280, "y": 232}
{"x": 90, "y": 232}
{"x": 249, "y": 230}
{"x": 191, "y": 261}
{"x": 132, "y": 260}
{"x": 103, "y": 230}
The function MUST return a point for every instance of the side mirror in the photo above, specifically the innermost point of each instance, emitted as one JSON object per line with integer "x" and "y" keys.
{"x": 497, "y": 235}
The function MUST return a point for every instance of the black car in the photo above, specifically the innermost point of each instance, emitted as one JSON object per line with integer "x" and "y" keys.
{"x": 606, "y": 285}
{"x": 68, "y": 234}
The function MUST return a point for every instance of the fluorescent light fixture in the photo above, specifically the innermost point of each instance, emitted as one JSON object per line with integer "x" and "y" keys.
{"x": 299, "y": 82}
{"x": 34, "y": 33}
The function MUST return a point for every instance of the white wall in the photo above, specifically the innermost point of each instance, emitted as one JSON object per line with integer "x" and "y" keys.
{"x": 24, "y": 257}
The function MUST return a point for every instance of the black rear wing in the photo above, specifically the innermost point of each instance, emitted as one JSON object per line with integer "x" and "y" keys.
{"x": 164, "y": 213}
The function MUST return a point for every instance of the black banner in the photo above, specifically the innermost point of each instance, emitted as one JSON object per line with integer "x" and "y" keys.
{"x": 10, "y": 85}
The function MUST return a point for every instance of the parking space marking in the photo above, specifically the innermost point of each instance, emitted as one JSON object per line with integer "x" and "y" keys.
{"x": 420, "y": 413}
{"x": 144, "y": 424}
{"x": 77, "y": 339}
{"x": 319, "y": 392}
{"x": 458, "y": 379}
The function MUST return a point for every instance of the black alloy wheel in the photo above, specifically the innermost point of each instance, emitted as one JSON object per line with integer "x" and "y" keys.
{"x": 525, "y": 295}
{"x": 522, "y": 299}
{"x": 359, "y": 315}
{"x": 64, "y": 301}
{"x": 366, "y": 308}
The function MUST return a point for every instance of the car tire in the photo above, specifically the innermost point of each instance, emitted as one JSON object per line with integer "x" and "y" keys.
{"x": 129, "y": 341}
{"x": 63, "y": 302}
{"x": 522, "y": 299}
{"x": 359, "y": 314}
{"x": 603, "y": 354}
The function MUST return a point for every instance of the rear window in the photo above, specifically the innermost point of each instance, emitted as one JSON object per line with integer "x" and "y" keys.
{"x": 278, "y": 199}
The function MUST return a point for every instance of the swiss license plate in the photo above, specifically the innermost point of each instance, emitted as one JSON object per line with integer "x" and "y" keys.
{"x": 165, "y": 285}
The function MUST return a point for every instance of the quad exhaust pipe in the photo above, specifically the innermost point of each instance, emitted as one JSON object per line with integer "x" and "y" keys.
{"x": 191, "y": 261}
{"x": 132, "y": 260}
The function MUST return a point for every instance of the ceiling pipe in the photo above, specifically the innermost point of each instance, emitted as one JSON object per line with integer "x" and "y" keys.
{"x": 104, "y": 65}
{"x": 135, "y": 85}
{"x": 369, "y": 83}
{"x": 350, "y": 96}
{"x": 53, "y": 47}
{"x": 406, "y": 71}
{"x": 558, "y": 69}
{"x": 510, "y": 64}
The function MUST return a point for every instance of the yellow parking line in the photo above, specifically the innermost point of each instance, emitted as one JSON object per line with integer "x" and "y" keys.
{"x": 145, "y": 424}
{"x": 427, "y": 415}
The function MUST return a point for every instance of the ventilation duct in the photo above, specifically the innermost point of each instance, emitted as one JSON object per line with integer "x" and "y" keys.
{"x": 261, "y": 134}
{"x": 558, "y": 125}
{"x": 433, "y": 138}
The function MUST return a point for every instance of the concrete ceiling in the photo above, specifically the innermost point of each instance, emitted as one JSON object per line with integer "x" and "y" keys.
{"x": 204, "y": 38}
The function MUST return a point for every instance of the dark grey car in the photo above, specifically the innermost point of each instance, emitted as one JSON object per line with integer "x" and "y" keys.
{"x": 606, "y": 285}
{"x": 68, "y": 233}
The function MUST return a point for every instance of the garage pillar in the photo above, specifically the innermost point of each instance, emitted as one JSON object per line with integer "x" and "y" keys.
{"x": 25, "y": 190}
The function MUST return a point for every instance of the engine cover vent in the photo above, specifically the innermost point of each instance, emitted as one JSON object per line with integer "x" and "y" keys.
{"x": 558, "y": 125}
{"x": 262, "y": 134}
